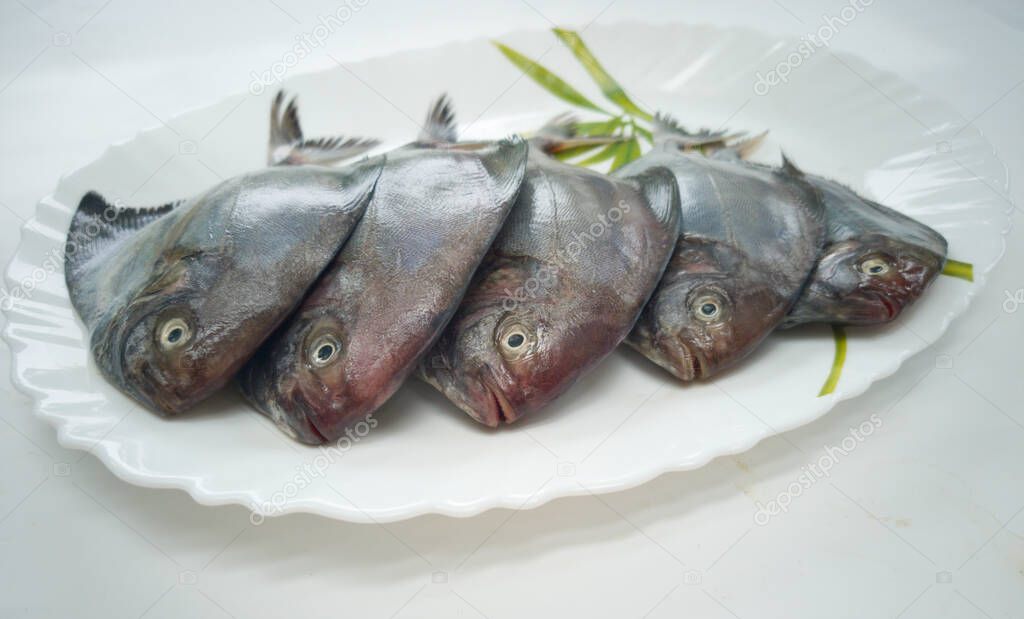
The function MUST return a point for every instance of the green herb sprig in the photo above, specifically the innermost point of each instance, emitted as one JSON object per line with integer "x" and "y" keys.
{"x": 629, "y": 122}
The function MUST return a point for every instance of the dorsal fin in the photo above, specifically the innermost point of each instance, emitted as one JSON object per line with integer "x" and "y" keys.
{"x": 790, "y": 168}
{"x": 289, "y": 147}
{"x": 98, "y": 224}
{"x": 440, "y": 123}
{"x": 664, "y": 126}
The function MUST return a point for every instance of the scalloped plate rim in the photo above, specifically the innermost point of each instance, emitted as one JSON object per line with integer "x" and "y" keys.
{"x": 105, "y": 450}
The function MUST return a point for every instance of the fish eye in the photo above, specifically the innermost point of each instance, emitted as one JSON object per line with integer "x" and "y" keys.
{"x": 708, "y": 307}
{"x": 324, "y": 350}
{"x": 173, "y": 333}
{"x": 516, "y": 340}
{"x": 874, "y": 266}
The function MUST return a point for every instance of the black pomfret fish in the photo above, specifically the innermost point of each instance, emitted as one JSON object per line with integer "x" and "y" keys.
{"x": 560, "y": 288}
{"x": 876, "y": 261}
{"x": 176, "y": 298}
{"x": 751, "y": 236}
{"x": 390, "y": 292}
{"x": 875, "y": 264}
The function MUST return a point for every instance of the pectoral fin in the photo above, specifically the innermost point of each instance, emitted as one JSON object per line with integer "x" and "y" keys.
{"x": 97, "y": 226}
{"x": 661, "y": 189}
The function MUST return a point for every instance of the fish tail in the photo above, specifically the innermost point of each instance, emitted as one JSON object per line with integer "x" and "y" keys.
{"x": 288, "y": 146}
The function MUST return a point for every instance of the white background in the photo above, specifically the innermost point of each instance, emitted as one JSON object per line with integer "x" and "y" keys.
{"x": 923, "y": 519}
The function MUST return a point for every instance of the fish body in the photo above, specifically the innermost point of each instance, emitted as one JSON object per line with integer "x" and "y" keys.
{"x": 751, "y": 235}
{"x": 176, "y": 298}
{"x": 393, "y": 287}
{"x": 559, "y": 289}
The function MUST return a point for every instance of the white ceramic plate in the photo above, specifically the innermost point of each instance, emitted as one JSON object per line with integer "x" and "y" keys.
{"x": 622, "y": 425}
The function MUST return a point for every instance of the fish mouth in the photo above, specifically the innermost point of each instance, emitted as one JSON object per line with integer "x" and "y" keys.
{"x": 312, "y": 433}
{"x": 879, "y": 308}
{"x": 290, "y": 413}
{"x": 679, "y": 359}
{"x": 303, "y": 421}
{"x": 691, "y": 366}
{"x": 112, "y": 359}
{"x": 891, "y": 309}
{"x": 499, "y": 409}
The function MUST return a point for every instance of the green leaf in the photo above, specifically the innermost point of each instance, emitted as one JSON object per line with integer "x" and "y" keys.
{"x": 548, "y": 80}
{"x": 645, "y": 133}
{"x": 604, "y": 154}
{"x": 839, "y": 335}
{"x": 963, "y": 270}
{"x": 625, "y": 152}
{"x": 607, "y": 83}
{"x": 571, "y": 153}
{"x": 599, "y": 128}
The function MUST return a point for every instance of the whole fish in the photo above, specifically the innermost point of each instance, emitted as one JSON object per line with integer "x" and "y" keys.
{"x": 751, "y": 236}
{"x": 875, "y": 264}
{"x": 560, "y": 288}
{"x": 176, "y": 298}
{"x": 392, "y": 289}
{"x": 876, "y": 261}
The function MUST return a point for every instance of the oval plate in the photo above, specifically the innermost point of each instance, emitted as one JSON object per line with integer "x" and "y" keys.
{"x": 622, "y": 425}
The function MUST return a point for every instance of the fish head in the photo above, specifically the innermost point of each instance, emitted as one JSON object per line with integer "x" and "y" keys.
{"x": 711, "y": 309}
{"x": 516, "y": 342}
{"x": 322, "y": 376}
{"x": 867, "y": 280}
{"x": 177, "y": 305}
{"x": 163, "y": 344}
{"x": 302, "y": 388}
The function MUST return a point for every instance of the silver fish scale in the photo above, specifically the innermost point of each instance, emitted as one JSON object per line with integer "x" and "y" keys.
{"x": 851, "y": 216}
{"x": 754, "y": 209}
{"x": 565, "y": 218}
